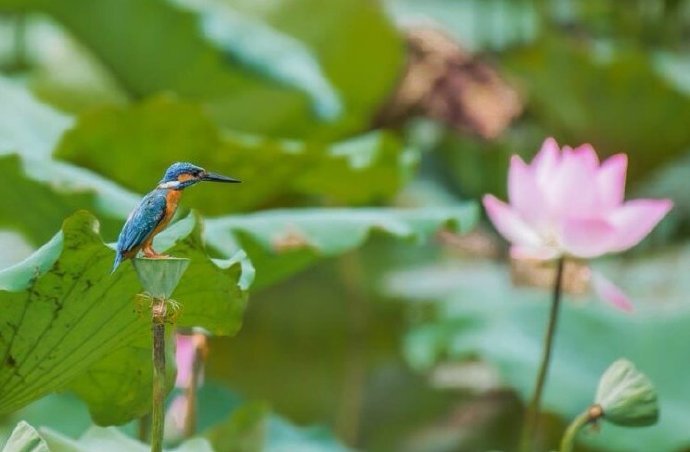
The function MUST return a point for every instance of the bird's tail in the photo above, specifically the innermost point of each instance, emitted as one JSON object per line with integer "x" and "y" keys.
{"x": 118, "y": 259}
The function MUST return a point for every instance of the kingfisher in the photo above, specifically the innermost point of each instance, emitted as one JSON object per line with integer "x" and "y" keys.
{"x": 156, "y": 209}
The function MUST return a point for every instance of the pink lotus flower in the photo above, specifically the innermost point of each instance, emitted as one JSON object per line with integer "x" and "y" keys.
{"x": 568, "y": 204}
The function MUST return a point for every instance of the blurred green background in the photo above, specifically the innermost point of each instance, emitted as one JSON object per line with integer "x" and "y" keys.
{"x": 367, "y": 328}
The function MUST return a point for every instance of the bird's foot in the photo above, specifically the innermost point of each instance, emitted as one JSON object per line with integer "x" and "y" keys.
{"x": 166, "y": 310}
{"x": 149, "y": 253}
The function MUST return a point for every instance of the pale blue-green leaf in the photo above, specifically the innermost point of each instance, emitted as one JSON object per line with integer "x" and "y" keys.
{"x": 358, "y": 49}
{"x": 282, "y": 242}
{"x": 25, "y": 438}
{"x": 259, "y": 46}
{"x": 15, "y": 248}
{"x": 32, "y": 130}
{"x": 481, "y": 313}
{"x": 674, "y": 68}
{"x": 477, "y": 24}
{"x": 284, "y": 437}
{"x": 111, "y": 439}
{"x": 26, "y": 124}
{"x": 333, "y": 231}
{"x": 36, "y": 209}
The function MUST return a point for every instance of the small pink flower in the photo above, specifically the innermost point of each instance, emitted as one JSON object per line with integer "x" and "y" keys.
{"x": 176, "y": 416}
{"x": 184, "y": 358}
{"x": 189, "y": 348}
{"x": 190, "y": 354}
{"x": 567, "y": 203}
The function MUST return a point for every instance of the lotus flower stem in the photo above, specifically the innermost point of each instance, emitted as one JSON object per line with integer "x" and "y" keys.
{"x": 568, "y": 440}
{"x": 158, "y": 318}
{"x": 530, "y": 425}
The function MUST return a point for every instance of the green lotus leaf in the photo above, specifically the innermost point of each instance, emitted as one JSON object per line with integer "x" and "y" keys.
{"x": 479, "y": 313}
{"x": 290, "y": 81}
{"x": 64, "y": 312}
{"x": 161, "y": 130}
{"x": 282, "y": 242}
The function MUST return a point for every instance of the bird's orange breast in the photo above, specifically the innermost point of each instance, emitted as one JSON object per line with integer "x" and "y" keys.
{"x": 172, "y": 198}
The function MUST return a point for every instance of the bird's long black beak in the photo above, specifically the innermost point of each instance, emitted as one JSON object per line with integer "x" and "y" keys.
{"x": 213, "y": 177}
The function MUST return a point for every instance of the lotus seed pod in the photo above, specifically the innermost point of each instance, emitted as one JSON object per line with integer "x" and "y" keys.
{"x": 159, "y": 277}
{"x": 626, "y": 396}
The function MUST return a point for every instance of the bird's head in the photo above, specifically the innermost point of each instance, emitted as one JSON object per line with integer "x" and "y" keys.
{"x": 181, "y": 175}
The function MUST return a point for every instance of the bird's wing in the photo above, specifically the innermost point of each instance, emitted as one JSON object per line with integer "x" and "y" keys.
{"x": 142, "y": 222}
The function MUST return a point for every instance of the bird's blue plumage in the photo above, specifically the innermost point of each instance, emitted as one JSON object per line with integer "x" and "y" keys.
{"x": 176, "y": 169}
{"x": 157, "y": 208}
{"x": 141, "y": 223}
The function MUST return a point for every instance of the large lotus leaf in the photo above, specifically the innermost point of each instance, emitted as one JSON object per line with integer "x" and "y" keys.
{"x": 73, "y": 80}
{"x": 346, "y": 36}
{"x": 117, "y": 388}
{"x": 135, "y": 145}
{"x": 36, "y": 210}
{"x": 262, "y": 48}
{"x": 64, "y": 311}
{"x": 282, "y": 242}
{"x": 126, "y": 36}
{"x": 481, "y": 313}
{"x": 40, "y": 192}
{"x": 278, "y": 82}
